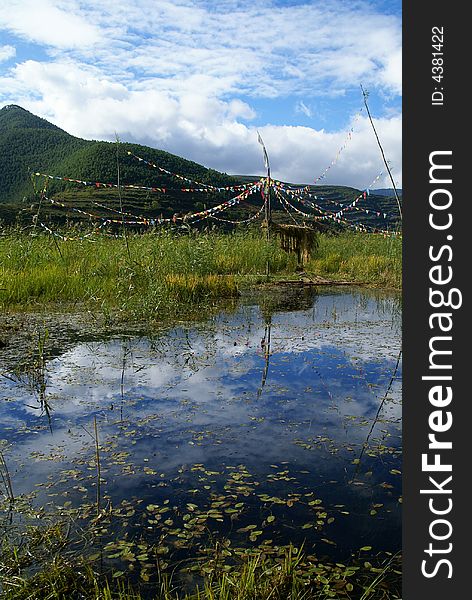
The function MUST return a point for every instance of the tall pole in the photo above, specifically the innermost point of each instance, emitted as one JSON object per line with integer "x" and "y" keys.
{"x": 366, "y": 94}
{"x": 117, "y": 142}
{"x": 267, "y": 218}
{"x": 267, "y": 204}
{"x": 267, "y": 197}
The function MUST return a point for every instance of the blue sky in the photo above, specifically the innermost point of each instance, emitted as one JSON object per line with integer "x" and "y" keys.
{"x": 199, "y": 78}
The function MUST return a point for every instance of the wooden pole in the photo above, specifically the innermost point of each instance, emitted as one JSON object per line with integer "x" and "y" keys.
{"x": 117, "y": 142}
{"x": 365, "y": 94}
{"x": 268, "y": 217}
{"x": 268, "y": 209}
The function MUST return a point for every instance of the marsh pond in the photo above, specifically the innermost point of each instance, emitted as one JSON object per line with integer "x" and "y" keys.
{"x": 276, "y": 421}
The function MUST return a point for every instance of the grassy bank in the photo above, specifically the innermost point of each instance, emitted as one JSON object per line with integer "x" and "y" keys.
{"x": 258, "y": 578}
{"x": 146, "y": 277}
{"x": 156, "y": 274}
{"x": 44, "y": 567}
{"x": 359, "y": 257}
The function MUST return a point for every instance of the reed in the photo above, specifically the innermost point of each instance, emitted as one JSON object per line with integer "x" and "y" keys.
{"x": 97, "y": 464}
{"x": 359, "y": 257}
{"x": 257, "y": 577}
{"x": 6, "y": 479}
{"x": 170, "y": 271}
{"x": 98, "y": 272}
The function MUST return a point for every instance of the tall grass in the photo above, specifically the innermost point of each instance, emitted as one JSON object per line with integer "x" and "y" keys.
{"x": 256, "y": 576}
{"x": 359, "y": 257}
{"x": 163, "y": 273}
{"x": 164, "y": 269}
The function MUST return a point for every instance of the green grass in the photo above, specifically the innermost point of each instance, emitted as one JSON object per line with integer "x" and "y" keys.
{"x": 162, "y": 274}
{"x": 44, "y": 569}
{"x": 160, "y": 271}
{"x": 359, "y": 257}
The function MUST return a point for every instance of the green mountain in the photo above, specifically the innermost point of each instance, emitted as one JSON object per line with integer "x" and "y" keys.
{"x": 30, "y": 144}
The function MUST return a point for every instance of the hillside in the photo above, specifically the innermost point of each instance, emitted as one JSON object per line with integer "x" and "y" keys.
{"x": 28, "y": 142}
{"x": 31, "y": 144}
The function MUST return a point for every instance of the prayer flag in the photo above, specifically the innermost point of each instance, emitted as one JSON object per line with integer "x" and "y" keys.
{"x": 266, "y": 158}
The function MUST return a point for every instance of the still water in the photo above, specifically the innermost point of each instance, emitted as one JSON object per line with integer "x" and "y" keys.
{"x": 275, "y": 422}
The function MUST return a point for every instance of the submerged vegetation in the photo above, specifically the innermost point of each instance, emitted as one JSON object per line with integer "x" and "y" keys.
{"x": 134, "y": 549}
{"x": 172, "y": 489}
{"x": 258, "y": 578}
{"x": 42, "y": 566}
{"x": 158, "y": 275}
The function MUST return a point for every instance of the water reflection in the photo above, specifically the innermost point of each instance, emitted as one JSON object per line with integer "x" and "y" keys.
{"x": 288, "y": 407}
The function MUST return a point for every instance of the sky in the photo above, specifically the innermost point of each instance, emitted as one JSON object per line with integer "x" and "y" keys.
{"x": 200, "y": 78}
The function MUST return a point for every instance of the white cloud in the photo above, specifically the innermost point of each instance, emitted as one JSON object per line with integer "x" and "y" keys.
{"x": 392, "y": 73}
{"x": 300, "y": 154}
{"x": 182, "y": 76}
{"x": 261, "y": 49}
{"x": 7, "y": 52}
{"x": 45, "y": 23}
{"x": 205, "y": 129}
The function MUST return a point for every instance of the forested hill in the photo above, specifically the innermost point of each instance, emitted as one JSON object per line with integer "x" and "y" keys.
{"x": 29, "y": 143}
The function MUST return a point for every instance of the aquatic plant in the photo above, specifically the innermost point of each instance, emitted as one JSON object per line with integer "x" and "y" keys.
{"x": 291, "y": 576}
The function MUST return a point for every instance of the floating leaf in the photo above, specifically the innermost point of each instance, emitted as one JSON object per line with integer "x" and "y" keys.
{"x": 118, "y": 574}
{"x": 247, "y": 528}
